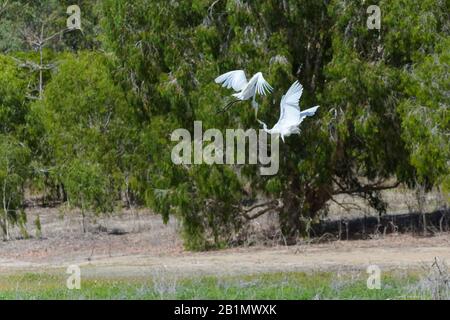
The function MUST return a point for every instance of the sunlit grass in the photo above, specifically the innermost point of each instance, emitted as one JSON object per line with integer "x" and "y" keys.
{"x": 293, "y": 285}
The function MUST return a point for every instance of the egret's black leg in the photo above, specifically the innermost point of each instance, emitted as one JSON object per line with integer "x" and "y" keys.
{"x": 228, "y": 106}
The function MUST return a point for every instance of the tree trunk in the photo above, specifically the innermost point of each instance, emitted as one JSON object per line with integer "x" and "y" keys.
{"x": 5, "y": 211}
{"x": 290, "y": 219}
{"x": 424, "y": 223}
{"x": 82, "y": 221}
{"x": 297, "y": 215}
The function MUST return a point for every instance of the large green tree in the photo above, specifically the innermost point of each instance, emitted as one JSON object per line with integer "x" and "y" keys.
{"x": 362, "y": 141}
{"x": 85, "y": 128}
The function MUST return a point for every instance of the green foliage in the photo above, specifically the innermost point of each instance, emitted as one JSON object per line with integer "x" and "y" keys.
{"x": 426, "y": 117}
{"x": 83, "y": 119}
{"x": 22, "y": 21}
{"x": 14, "y": 160}
{"x": 13, "y": 104}
{"x": 37, "y": 225}
{"x": 410, "y": 55}
{"x": 80, "y": 108}
{"x": 87, "y": 186}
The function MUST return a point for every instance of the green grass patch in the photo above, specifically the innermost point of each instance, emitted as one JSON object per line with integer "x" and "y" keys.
{"x": 292, "y": 285}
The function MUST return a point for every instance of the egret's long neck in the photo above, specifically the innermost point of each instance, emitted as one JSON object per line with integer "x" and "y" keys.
{"x": 255, "y": 106}
{"x": 264, "y": 126}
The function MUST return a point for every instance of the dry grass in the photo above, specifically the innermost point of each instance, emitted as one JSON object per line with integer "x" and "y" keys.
{"x": 436, "y": 281}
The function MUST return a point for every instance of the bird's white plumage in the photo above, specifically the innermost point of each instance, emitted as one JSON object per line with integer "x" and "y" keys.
{"x": 293, "y": 95}
{"x": 289, "y": 106}
{"x": 234, "y": 79}
{"x": 245, "y": 90}
{"x": 308, "y": 112}
{"x": 256, "y": 85}
{"x": 290, "y": 115}
{"x": 262, "y": 86}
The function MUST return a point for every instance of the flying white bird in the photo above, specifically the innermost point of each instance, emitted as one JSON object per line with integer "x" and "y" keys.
{"x": 245, "y": 89}
{"x": 290, "y": 115}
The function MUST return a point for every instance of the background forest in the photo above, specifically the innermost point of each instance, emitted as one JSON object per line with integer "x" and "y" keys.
{"x": 86, "y": 115}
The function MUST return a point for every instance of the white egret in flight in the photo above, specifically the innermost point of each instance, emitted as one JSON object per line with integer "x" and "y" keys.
{"x": 290, "y": 115}
{"x": 245, "y": 89}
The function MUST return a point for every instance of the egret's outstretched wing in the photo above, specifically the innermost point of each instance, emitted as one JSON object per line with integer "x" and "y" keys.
{"x": 234, "y": 79}
{"x": 308, "y": 112}
{"x": 290, "y": 115}
{"x": 289, "y": 106}
{"x": 262, "y": 86}
{"x": 293, "y": 95}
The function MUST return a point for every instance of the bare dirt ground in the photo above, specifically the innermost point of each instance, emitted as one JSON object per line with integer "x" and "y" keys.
{"x": 127, "y": 246}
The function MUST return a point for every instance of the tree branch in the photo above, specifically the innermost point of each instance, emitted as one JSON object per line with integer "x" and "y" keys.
{"x": 3, "y": 7}
{"x": 272, "y": 205}
{"x": 363, "y": 189}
